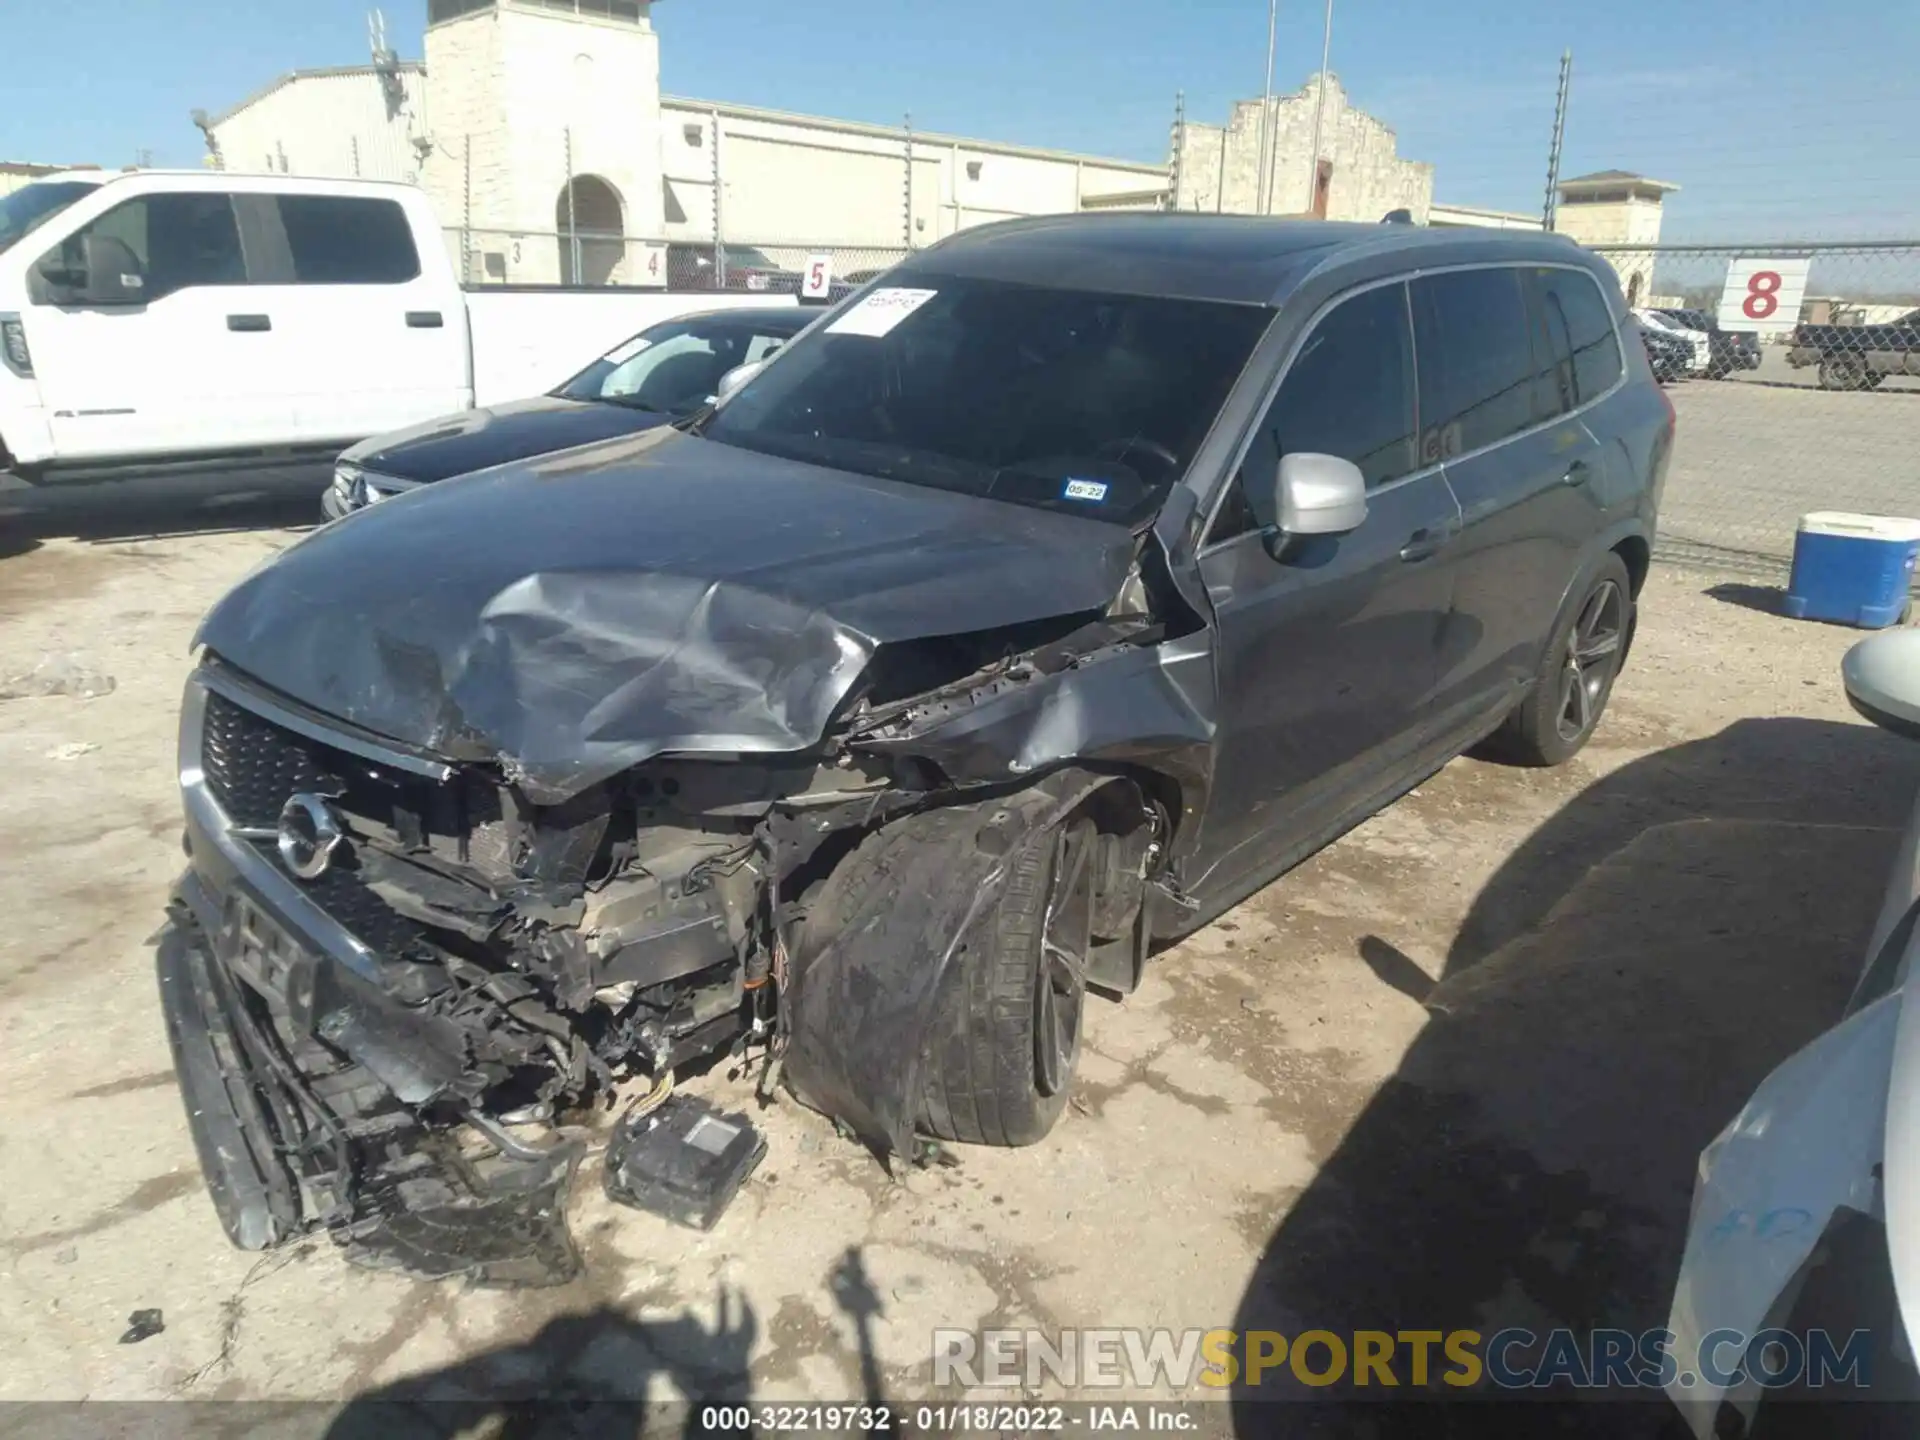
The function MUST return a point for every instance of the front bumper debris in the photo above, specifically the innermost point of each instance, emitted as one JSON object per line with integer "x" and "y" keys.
{"x": 289, "y": 1149}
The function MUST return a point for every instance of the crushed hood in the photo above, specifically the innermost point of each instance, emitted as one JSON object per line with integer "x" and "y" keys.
{"x": 480, "y": 439}
{"x": 575, "y": 615}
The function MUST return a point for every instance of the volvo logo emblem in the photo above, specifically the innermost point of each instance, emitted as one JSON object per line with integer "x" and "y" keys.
{"x": 308, "y": 836}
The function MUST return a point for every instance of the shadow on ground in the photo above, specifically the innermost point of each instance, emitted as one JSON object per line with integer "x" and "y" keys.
{"x": 151, "y": 508}
{"x": 1619, "y": 987}
{"x": 1764, "y": 598}
{"x": 603, "y": 1373}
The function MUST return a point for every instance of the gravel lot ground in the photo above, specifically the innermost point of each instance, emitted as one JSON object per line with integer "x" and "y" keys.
{"x": 1453, "y": 1071}
{"x": 1752, "y": 459}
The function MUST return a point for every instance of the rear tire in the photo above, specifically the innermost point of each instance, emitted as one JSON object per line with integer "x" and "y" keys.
{"x": 1570, "y": 689}
{"x": 1007, "y": 1023}
{"x": 1842, "y": 373}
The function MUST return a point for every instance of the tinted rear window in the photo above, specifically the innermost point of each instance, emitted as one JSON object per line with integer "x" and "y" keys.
{"x": 337, "y": 240}
{"x": 1476, "y": 360}
{"x": 1574, "y": 301}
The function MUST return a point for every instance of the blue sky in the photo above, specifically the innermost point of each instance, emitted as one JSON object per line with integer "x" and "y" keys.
{"x": 1779, "y": 120}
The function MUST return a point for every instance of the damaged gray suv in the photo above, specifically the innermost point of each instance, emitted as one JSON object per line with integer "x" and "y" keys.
{"x": 1033, "y": 606}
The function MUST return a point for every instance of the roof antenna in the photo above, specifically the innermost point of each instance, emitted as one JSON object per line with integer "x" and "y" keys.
{"x": 214, "y": 161}
{"x": 385, "y": 64}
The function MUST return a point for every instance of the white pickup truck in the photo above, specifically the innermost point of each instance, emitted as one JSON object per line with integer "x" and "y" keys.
{"x": 167, "y": 320}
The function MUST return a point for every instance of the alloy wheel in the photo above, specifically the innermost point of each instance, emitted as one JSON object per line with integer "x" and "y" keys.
{"x": 1593, "y": 652}
{"x": 1066, "y": 931}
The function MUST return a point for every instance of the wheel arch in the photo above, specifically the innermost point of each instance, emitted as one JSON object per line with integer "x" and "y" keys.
{"x": 908, "y": 901}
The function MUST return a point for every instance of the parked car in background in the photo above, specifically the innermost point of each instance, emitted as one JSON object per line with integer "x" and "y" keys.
{"x": 1670, "y": 355}
{"x": 140, "y": 331}
{"x": 1858, "y": 357}
{"x": 664, "y": 373}
{"x": 1025, "y": 614}
{"x": 737, "y": 267}
{"x": 1701, "y": 346}
{"x": 1728, "y": 351}
{"x": 1806, "y": 1209}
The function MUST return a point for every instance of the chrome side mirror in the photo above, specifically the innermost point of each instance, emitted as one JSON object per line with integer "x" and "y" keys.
{"x": 1319, "y": 495}
{"x": 736, "y": 377}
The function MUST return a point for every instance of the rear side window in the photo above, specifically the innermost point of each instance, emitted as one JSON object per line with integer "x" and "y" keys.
{"x": 179, "y": 241}
{"x": 1476, "y": 360}
{"x": 1574, "y": 304}
{"x": 1348, "y": 392}
{"x": 340, "y": 240}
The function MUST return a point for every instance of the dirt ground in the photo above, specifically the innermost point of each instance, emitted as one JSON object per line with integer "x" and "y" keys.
{"x": 1453, "y": 1071}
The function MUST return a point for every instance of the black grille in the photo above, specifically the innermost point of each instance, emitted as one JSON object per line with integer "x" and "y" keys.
{"x": 354, "y": 908}
{"x": 252, "y": 766}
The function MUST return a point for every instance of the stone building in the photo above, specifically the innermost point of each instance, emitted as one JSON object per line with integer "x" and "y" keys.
{"x": 1357, "y": 175}
{"x": 1618, "y": 208}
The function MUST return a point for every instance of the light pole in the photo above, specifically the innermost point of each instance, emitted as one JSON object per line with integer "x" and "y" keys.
{"x": 1266, "y": 116}
{"x": 1320, "y": 109}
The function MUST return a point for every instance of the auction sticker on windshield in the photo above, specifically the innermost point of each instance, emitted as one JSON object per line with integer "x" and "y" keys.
{"x": 881, "y": 311}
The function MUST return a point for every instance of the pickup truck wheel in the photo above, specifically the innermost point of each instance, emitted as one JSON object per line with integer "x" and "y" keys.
{"x": 1576, "y": 674}
{"x": 1007, "y": 1025}
{"x": 1842, "y": 373}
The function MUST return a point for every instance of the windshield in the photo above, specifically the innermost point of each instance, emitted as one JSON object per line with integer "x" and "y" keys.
{"x": 1070, "y": 400}
{"x": 31, "y": 204}
{"x": 675, "y": 368}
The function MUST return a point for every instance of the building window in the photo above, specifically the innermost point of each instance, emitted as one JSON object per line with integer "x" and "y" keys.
{"x": 438, "y": 10}
{"x": 630, "y": 12}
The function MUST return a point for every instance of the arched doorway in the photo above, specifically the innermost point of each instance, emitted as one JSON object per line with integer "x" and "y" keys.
{"x": 592, "y": 226}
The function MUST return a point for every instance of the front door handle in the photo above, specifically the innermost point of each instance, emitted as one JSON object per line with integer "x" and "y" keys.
{"x": 424, "y": 320}
{"x": 1578, "y": 473}
{"x": 249, "y": 322}
{"x": 1425, "y": 543}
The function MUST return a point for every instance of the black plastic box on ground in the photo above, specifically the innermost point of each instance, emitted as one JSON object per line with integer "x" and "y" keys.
{"x": 684, "y": 1160}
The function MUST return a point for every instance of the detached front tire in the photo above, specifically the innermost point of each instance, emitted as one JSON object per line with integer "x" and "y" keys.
{"x": 1007, "y": 1022}
{"x": 1570, "y": 689}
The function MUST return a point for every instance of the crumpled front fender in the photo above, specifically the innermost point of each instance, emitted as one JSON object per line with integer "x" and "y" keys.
{"x": 891, "y": 920}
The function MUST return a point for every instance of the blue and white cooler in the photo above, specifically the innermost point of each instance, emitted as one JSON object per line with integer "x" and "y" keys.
{"x": 1854, "y": 569}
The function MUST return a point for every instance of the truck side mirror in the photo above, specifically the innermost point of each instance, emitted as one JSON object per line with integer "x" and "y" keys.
{"x": 105, "y": 272}
{"x": 57, "y": 277}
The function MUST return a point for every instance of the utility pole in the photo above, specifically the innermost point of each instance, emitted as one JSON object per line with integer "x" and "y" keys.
{"x": 907, "y": 197}
{"x": 1320, "y": 109}
{"x": 573, "y": 233}
{"x": 1559, "y": 134}
{"x": 1175, "y": 151}
{"x": 719, "y": 241}
{"x": 1266, "y": 119}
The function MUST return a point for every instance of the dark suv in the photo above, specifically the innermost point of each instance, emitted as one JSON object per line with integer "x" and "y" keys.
{"x": 1027, "y": 611}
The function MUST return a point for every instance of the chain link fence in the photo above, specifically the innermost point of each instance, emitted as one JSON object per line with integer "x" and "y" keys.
{"x": 489, "y": 257}
{"x": 1794, "y": 370}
